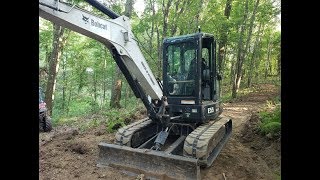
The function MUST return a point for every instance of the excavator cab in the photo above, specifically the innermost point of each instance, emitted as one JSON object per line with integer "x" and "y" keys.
{"x": 190, "y": 80}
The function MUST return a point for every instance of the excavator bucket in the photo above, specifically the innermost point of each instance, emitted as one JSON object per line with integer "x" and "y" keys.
{"x": 172, "y": 162}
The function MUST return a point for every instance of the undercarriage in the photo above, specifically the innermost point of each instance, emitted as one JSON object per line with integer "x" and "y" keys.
{"x": 176, "y": 151}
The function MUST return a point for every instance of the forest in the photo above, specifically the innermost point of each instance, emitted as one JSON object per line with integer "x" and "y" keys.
{"x": 80, "y": 77}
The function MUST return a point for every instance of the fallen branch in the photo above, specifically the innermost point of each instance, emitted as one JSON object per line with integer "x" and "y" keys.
{"x": 224, "y": 176}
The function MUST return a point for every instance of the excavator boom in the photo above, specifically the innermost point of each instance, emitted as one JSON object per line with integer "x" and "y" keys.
{"x": 114, "y": 33}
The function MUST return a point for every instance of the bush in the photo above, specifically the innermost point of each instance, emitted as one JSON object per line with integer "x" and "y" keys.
{"x": 271, "y": 122}
{"x": 84, "y": 114}
{"x": 273, "y": 128}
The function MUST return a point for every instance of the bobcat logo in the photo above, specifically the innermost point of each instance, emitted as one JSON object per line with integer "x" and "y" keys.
{"x": 85, "y": 19}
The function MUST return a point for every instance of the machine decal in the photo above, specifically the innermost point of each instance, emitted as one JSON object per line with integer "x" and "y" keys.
{"x": 94, "y": 23}
{"x": 85, "y": 19}
{"x": 98, "y": 24}
{"x": 210, "y": 110}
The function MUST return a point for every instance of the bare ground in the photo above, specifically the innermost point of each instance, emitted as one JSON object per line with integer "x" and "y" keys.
{"x": 68, "y": 153}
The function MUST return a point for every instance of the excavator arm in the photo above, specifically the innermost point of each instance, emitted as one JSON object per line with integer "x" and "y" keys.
{"x": 117, "y": 36}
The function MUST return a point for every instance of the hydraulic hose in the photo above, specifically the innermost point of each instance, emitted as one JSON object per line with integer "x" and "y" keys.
{"x": 103, "y": 9}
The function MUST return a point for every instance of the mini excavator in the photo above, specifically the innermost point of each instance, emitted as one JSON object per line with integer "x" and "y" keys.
{"x": 184, "y": 130}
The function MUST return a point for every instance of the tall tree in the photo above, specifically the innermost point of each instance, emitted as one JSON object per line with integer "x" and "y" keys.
{"x": 57, "y": 45}
{"x": 64, "y": 81}
{"x": 116, "y": 90}
{"x": 243, "y": 51}
{"x": 179, "y": 10}
{"x": 224, "y": 36}
{"x": 165, "y": 9}
{"x": 268, "y": 63}
{"x": 223, "y": 40}
{"x": 199, "y": 10}
{"x": 238, "y": 68}
{"x": 253, "y": 57}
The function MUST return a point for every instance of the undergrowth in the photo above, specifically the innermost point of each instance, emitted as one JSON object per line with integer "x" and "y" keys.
{"x": 112, "y": 118}
{"x": 271, "y": 118}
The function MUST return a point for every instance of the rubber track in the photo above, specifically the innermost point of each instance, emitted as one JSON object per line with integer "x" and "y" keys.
{"x": 124, "y": 134}
{"x": 200, "y": 142}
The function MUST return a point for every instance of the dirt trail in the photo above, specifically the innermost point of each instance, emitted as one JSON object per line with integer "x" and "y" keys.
{"x": 247, "y": 155}
{"x": 65, "y": 153}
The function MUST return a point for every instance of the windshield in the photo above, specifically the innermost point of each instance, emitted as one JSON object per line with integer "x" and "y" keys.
{"x": 181, "y": 68}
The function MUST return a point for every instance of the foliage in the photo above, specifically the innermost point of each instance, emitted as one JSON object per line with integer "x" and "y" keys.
{"x": 271, "y": 120}
{"x": 81, "y": 115}
{"x": 86, "y": 69}
{"x": 227, "y": 96}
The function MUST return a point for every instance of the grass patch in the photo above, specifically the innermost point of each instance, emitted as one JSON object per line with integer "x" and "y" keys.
{"x": 227, "y": 95}
{"x": 90, "y": 124}
{"x": 112, "y": 118}
{"x": 271, "y": 120}
{"x": 277, "y": 175}
{"x": 65, "y": 120}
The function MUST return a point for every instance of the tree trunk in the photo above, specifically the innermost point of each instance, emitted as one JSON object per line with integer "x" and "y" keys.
{"x": 64, "y": 85}
{"x": 58, "y": 42}
{"x": 177, "y": 15}
{"x": 223, "y": 41}
{"x": 69, "y": 100}
{"x": 159, "y": 47}
{"x": 242, "y": 52}
{"x": 257, "y": 63}
{"x": 104, "y": 84}
{"x": 198, "y": 14}
{"x": 279, "y": 64}
{"x": 268, "y": 59}
{"x": 128, "y": 8}
{"x": 165, "y": 10}
{"x": 253, "y": 57}
{"x": 95, "y": 95}
{"x": 232, "y": 70}
{"x": 125, "y": 95}
{"x": 238, "y": 68}
{"x": 116, "y": 95}
{"x": 116, "y": 92}
{"x": 152, "y": 3}
{"x": 43, "y": 71}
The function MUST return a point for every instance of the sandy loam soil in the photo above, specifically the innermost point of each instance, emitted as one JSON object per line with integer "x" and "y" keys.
{"x": 68, "y": 153}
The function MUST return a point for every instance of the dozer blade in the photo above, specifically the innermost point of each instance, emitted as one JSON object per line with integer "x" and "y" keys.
{"x": 154, "y": 164}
